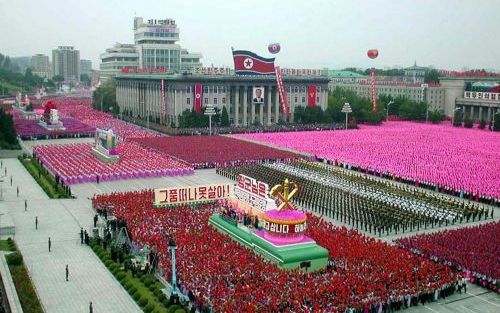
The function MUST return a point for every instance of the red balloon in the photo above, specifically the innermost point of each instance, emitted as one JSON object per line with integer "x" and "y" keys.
{"x": 372, "y": 53}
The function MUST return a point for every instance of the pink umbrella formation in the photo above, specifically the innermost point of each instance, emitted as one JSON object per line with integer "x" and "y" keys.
{"x": 453, "y": 160}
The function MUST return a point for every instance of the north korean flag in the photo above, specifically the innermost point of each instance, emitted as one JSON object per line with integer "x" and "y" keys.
{"x": 198, "y": 91}
{"x": 249, "y": 63}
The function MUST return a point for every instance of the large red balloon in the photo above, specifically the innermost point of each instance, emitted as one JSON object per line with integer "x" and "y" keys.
{"x": 372, "y": 53}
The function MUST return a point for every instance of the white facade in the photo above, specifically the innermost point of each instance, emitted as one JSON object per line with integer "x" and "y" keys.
{"x": 117, "y": 57}
{"x": 155, "y": 46}
{"x": 40, "y": 66}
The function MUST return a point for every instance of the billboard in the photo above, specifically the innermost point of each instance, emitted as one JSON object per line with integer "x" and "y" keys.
{"x": 190, "y": 194}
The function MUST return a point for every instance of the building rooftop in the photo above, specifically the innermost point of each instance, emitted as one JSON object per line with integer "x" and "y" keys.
{"x": 344, "y": 74}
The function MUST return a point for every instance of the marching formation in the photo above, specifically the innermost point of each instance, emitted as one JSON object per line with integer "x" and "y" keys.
{"x": 364, "y": 202}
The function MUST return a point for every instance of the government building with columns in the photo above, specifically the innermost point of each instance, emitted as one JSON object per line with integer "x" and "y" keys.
{"x": 143, "y": 94}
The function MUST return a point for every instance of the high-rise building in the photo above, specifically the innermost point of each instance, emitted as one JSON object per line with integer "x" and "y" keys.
{"x": 40, "y": 66}
{"x": 85, "y": 67}
{"x": 117, "y": 57}
{"x": 66, "y": 63}
{"x": 155, "y": 47}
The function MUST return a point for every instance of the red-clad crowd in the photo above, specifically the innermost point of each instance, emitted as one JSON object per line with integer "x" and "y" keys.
{"x": 215, "y": 151}
{"x": 475, "y": 250}
{"x": 81, "y": 109}
{"x": 363, "y": 273}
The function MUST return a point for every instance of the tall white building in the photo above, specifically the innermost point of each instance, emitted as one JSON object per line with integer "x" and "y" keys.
{"x": 40, "y": 66}
{"x": 155, "y": 47}
{"x": 66, "y": 63}
{"x": 117, "y": 57}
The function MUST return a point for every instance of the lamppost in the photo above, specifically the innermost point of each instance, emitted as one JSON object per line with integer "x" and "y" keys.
{"x": 346, "y": 109}
{"x": 209, "y": 110}
{"x": 493, "y": 122}
{"x": 173, "y": 247}
{"x": 453, "y": 116}
{"x": 387, "y": 110}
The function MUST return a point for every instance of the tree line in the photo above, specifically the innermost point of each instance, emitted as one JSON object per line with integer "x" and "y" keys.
{"x": 8, "y": 137}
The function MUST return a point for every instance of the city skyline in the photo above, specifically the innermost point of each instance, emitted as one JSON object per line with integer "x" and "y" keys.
{"x": 332, "y": 34}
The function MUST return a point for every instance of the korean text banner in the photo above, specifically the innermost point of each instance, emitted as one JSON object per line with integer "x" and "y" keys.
{"x": 190, "y": 194}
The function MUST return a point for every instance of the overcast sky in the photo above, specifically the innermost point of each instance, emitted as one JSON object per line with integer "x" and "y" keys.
{"x": 450, "y": 34}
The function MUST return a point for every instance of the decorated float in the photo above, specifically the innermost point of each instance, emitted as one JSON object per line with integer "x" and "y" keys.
{"x": 50, "y": 117}
{"x": 267, "y": 222}
{"x": 105, "y": 146}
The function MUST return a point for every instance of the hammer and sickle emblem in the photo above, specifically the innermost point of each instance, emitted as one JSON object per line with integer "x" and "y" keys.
{"x": 283, "y": 193}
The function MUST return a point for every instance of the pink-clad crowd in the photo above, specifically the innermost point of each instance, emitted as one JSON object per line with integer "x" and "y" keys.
{"x": 453, "y": 160}
{"x": 81, "y": 109}
{"x": 74, "y": 163}
{"x": 363, "y": 273}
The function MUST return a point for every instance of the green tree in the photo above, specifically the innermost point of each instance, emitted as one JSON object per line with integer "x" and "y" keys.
{"x": 436, "y": 116}
{"x": 468, "y": 123}
{"x": 482, "y": 123}
{"x": 431, "y": 76}
{"x": 496, "y": 127}
{"x": 457, "y": 118}
{"x": 7, "y": 131}
{"x": 85, "y": 78}
{"x": 104, "y": 98}
{"x": 224, "y": 120}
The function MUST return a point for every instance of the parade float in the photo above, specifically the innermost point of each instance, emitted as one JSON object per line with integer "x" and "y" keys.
{"x": 267, "y": 222}
{"x": 50, "y": 118}
{"x": 105, "y": 146}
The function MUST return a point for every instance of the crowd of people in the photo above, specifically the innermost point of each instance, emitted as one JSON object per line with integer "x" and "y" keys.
{"x": 474, "y": 250}
{"x": 74, "y": 163}
{"x": 215, "y": 151}
{"x": 29, "y": 129}
{"x": 254, "y": 129}
{"x": 81, "y": 110}
{"x": 365, "y": 202}
{"x": 453, "y": 160}
{"x": 215, "y": 271}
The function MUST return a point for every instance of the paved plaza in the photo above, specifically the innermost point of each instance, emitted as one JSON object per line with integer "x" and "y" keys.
{"x": 89, "y": 279}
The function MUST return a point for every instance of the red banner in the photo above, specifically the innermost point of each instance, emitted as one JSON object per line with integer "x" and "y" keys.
{"x": 282, "y": 92}
{"x": 311, "y": 95}
{"x": 163, "y": 100}
{"x": 198, "y": 92}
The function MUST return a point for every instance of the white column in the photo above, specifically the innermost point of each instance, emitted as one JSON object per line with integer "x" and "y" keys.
{"x": 252, "y": 109}
{"x": 268, "y": 104}
{"x": 276, "y": 106}
{"x": 245, "y": 105}
{"x": 236, "y": 104}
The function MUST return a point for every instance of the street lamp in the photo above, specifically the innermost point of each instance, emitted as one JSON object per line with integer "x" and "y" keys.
{"x": 209, "y": 110}
{"x": 173, "y": 247}
{"x": 346, "y": 109}
{"x": 387, "y": 110}
{"x": 453, "y": 116}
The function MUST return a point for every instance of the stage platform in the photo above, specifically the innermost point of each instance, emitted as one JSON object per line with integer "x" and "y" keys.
{"x": 305, "y": 255}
